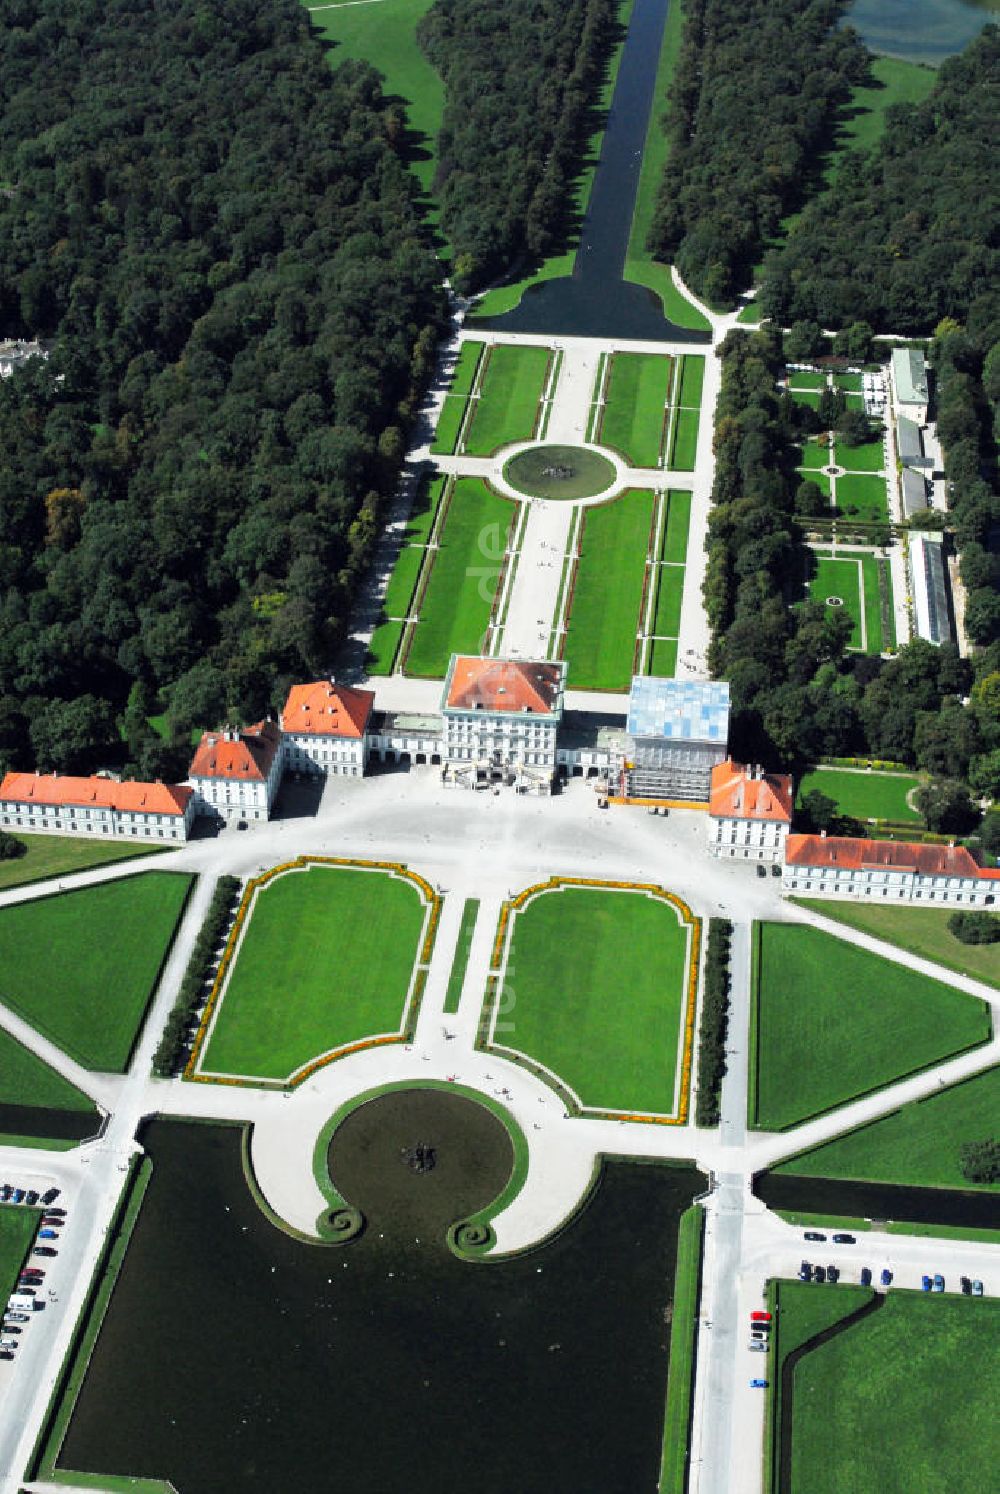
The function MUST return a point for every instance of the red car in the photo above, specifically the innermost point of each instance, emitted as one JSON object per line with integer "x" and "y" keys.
{"x": 760, "y": 1317}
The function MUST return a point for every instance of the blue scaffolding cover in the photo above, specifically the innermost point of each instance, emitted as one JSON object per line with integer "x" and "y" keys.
{"x": 680, "y": 710}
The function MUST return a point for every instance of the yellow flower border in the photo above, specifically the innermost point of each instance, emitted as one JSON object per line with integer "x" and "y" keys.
{"x": 415, "y": 996}
{"x": 493, "y": 985}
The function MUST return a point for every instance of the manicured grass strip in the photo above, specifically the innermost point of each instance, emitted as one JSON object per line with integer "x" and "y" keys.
{"x": 839, "y": 578}
{"x": 918, "y": 1144}
{"x": 424, "y": 511}
{"x": 872, "y": 604}
{"x": 865, "y": 795}
{"x": 867, "y": 458}
{"x": 684, "y": 447}
{"x": 636, "y": 397}
{"x": 607, "y": 596}
{"x": 850, "y": 383}
{"x": 456, "y": 605}
{"x": 509, "y": 396}
{"x": 470, "y": 912}
{"x": 26, "y": 1080}
{"x": 669, "y": 592}
{"x": 62, "y": 855}
{"x": 806, "y": 397}
{"x": 449, "y": 424}
{"x": 17, "y": 1231}
{"x": 820, "y": 479}
{"x": 863, "y": 497}
{"x": 815, "y": 454}
{"x": 683, "y": 1341}
{"x": 675, "y": 536}
{"x": 803, "y": 379}
{"x": 81, "y": 966}
{"x": 836, "y": 1022}
{"x": 663, "y": 658}
{"x": 923, "y": 931}
{"x": 912, "y": 1390}
{"x": 750, "y": 315}
{"x": 326, "y": 960}
{"x": 466, "y": 364}
{"x": 572, "y": 953}
{"x": 383, "y": 648}
{"x": 399, "y": 592}
{"x": 692, "y": 381}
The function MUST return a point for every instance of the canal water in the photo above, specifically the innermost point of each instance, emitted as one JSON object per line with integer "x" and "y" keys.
{"x": 595, "y": 301}
{"x": 920, "y": 30}
{"x": 853, "y": 1200}
{"x": 235, "y": 1358}
{"x": 48, "y": 1124}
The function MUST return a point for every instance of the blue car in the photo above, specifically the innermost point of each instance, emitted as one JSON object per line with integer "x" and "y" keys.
{"x": 866, "y": 1276}
{"x": 48, "y": 1234}
{"x": 925, "y": 1283}
{"x": 886, "y": 1277}
{"x": 758, "y": 1384}
{"x": 939, "y": 1283}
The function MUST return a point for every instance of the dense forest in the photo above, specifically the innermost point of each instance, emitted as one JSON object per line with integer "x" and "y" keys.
{"x": 907, "y": 234}
{"x": 521, "y": 79}
{"x": 756, "y": 91}
{"x": 797, "y": 694}
{"x": 216, "y": 233}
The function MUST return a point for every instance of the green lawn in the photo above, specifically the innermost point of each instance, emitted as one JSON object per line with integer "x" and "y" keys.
{"x": 684, "y": 446}
{"x": 669, "y": 592}
{"x": 692, "y": 381}
{"x": 803, "y": 379}
{"x": 399, "y": 592}
{"x": 663, "y": 658}
{"x": 820, "y": 479}
{"x": 466, "y": 364}
{"x": 640, "y": 266}
{"x": 383, "y": 647}
{"x": 457, "y": 603}
{"x": 81, "y": 966}
{"x": 863, "y": 497}
{"x": 675, "y": 535}
{"x": 26, "y": 1080}
{"x": 62, "y": 855}
{"x": 510, "y": 392}
{"x": 808, "y": 397}
{"x": 425, "y": 507}
{"x": 912, "y": 1391}
{"x": 604, "y": 613}
{"x": 833, "y": 1022}
{"x": 849, "y": 383}
{"x": 636, "y": 396}
{"x": 923, "y": 931}
{"x": 385, "y": 35}
{"x": 867, "y": 458}
{"x": 840, "y": 578}
{"x": 916, "y": 1145}
{"x": 895, "y": 82}
{"x": 17, "y": 1230}
{"x": 864, "y": 795}
{"x": 815, "y": 454}
{"x": 596, "y": 991}
{"x": 449, "y": 421}
{"x": 453, "y": 996}
{"x": 326, "y": 960}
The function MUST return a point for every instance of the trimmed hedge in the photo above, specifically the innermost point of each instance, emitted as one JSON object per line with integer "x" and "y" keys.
{"x": 172, "y": 1050}
{"x": 714, "y": 1023}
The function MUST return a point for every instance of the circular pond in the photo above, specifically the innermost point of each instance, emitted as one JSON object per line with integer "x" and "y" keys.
{"x": 417, "y": 1160}
{"x": 560, "y": 472}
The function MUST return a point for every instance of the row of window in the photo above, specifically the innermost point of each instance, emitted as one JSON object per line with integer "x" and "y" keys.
{"x": 173, "y": 832}
{"x": 943, "y": 894}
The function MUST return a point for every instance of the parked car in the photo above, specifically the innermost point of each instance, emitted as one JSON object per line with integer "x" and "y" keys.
{"x": 53, "y": 1221}
{"x": 24, "y": 1290}
{"x": 886, "y": 1277}
{"x": 6, "y": 1354}
{"x": 759, "y": 1334}
{"x": 758, "y": 1384}
{"x": 54, "y": 1213}
{"x": 50, "y": 1195}
{"x": 866, "y": 1276}
{"x": 819, "y": 1274}
{"x": 832, "y": 1274}
{"x": 925, "y": 1283}
{"x": 805, "y": 1271}
{"x": 977, "y": 1288}
{"x": 758, "y": 1345}
{"x": 939, "y": 1282}
{"x": 844, "y": 1240}
{"x": 16, "y": 1317}
{"x": 18, "y": 1196}
{"x": 8, "y": 1343}
{"x": 31, "y": 1197}
{"x": 5, "y": 1191}
{"x": 47, "y": 1234}
{"x": 9, "y": 1329}
{"x": 813, "y": 1234}
{"x": 44, "y": 1250}
{"x": 966, "y": 1286}
{"x": 760, "y": 1317}
{"x": 761, "y": 870}
{"x": 775, "y": 869}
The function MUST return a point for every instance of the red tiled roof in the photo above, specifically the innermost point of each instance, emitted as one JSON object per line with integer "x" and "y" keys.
{"x": 246, "y": 754}
{"x": 57, "y": 789}
{"x": 737, "y": 795}
{"x": 863, "y": 855}
{"x": 504, "y": 685}
{"x": 324, "y": 709}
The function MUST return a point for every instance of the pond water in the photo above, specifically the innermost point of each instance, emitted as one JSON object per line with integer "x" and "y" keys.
{"x": 595, "y": 301}
{"x": 921, "y": 30}
{"x": 236, "y": 1358}
{"x": 852, "y": 1200}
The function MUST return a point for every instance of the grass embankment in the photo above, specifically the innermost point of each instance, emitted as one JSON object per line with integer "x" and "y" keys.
{"x": 912, "y": 1392}
{"x": 804, "y": 1220}
{"x": 453, "y": 996}
{"x": 917, "y": 1144}
{"x": 832, "y": 1022}
{"x": 638, "y": 389}
{"x": 81, "y": 966}
{"x": 510, "y": 393}
{"x": 683, "y": 1343}
{"x": 326, "y": 960}
{"x": 640, "y": 266}
{"x": 61, "y": 855}
{"x": 453, "y": 408}
{"x": 26, "y": 1080}
{"x": 460, "y": 589}
{"x": 863, "y": 795}
{"x": 608, "y": 585}
{"x": 922, "y": 931}
{"x": 571, "y": 951}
